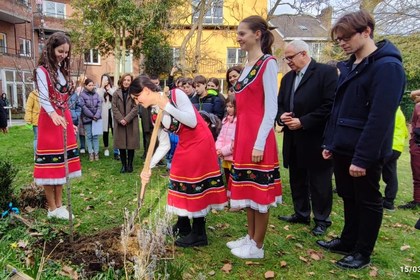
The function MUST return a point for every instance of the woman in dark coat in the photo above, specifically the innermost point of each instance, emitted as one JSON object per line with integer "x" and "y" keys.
{"x": 126, "y": 123}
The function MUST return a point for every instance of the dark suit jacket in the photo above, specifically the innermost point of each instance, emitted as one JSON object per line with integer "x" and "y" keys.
{"x": 313, "y": 101}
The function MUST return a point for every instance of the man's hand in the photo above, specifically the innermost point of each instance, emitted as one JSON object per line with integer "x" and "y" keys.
{"x": 291, "y": 122}
{"x": 326, "y": 154}
{"x": 356, "y": 171}
{"x": 257, "y": 155}
{"x": 76, "y": 129}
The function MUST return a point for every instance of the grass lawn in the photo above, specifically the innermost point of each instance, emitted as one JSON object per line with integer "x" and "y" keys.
{"x": 100, "y": 196}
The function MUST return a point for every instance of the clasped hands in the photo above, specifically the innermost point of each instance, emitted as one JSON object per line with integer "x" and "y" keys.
{"x": 291, "y": 122}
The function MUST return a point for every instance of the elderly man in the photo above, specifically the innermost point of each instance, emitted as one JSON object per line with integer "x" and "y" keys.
{"x": 305, "y": 100}
{"x": 359, "y": 132}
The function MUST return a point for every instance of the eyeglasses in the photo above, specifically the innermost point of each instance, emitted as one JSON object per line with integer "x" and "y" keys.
{"x": 290, "y": 57}
{"x": 344, "y": 39}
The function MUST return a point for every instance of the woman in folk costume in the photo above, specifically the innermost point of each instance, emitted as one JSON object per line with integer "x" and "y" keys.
{"x": 255, "y": 183}
{"x": 52, "y": 78}
{"x": 196, "y": 184}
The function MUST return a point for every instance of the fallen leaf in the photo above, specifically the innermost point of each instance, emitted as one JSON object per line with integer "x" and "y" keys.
{"x": 405, "y": 247}
{"x": 332, "y": 271}
{"x": 110, "y": 191}
{"x": 373, "y": 272}
{"x": 252, "y": 263}
{"x": 90, "y": 207}
{"x": 212, "y": 273}
{"x": 29, "y": 209}
{"x": 269, "y": 274}
{"x": 311, "y": 273}
{"x": 214, "y": 211}
{"x": 283, "y": 264}
{"x": 315, "y": 256}
{"x": 354, "y": 276}
{"x": 299, "y": 245}
{"x": 303, "y": 259}
{"x": 290, "y": 236}
{"x": 69, "y": 272}
{"x": 211, "y": 228}
{"x": 22, "y": 243}
{"x": 227, "y": 267}
{"x": 272, "y": 226}
{"x": 110, "y": 203}
{"x": 286, "y": 227}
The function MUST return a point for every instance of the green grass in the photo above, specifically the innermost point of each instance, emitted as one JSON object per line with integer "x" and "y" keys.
{"x": 100, "y": 196}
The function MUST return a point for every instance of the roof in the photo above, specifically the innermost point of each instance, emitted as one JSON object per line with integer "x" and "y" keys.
{"x": 299, "y": 26}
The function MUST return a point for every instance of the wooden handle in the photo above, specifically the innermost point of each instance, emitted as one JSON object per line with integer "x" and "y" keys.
{"x": 150, "y": 151}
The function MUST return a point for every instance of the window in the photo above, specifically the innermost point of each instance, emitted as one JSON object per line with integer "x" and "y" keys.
{"x": 128, "y": 63}
{"x": 214, "y": 11}
{"x": 3, "y": 43}
{"x": 92, "y": 57}
{"x": 54, "y": 9}
{"x": 235, "y": 56}
{"x": 315, "y": 49}
{"x": 175, "y": 56}
{"x": 25, "y": 47}
{"x": 17, "y": 85}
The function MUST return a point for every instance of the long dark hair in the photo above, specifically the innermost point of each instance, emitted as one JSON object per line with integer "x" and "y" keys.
{"x": 107, "y": 96}
{"x": 48, "y": 58}
{"x": 139, "y": 83}
{"x": 236, "y": 68}
{"x": 256, "y": 23}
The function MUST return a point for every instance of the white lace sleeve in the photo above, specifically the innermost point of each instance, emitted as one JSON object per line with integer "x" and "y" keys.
{"x": 270, "y": 104}
{"x": 44, "y": 97}
{"x": 184, "y": 110}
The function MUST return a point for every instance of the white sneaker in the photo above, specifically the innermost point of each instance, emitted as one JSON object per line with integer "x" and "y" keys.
{"x": 63, "y": 213}
{"x": 239, "y": 243}
{"x": 52, "y": 214}
{"x": 249, "y": 251}
{"x": 106, "y": 153}
{"x": 82, "y": 151}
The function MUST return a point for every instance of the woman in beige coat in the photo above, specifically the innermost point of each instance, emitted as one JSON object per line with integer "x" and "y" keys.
{"x": 126, "y": 123}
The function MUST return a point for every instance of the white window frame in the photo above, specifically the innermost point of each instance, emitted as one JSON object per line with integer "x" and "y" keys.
{"x": 211, "y": 17}
{"x": 3, "y": 48}
{"x": 91, "y": 62}
{"x": 128, "y": 62}
{"x": 238, "y": 59}
{"x": 27, "y": 47}
{"x": 175, "y": 55}
{"x": 22, "y": 80}
{"x": 56, "y": 13}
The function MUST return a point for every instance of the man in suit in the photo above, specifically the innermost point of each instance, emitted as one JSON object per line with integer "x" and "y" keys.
{"x": 304, "y": 101}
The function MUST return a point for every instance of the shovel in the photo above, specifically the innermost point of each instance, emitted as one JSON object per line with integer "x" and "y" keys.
{"x": 146, "y": 165}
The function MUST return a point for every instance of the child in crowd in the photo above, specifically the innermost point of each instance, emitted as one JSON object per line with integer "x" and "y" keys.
{"x": 188, "y": 87}
{"x": 207, "y": 100}
{"x": 91, "y": 113}
{"x": 224, "y": 143}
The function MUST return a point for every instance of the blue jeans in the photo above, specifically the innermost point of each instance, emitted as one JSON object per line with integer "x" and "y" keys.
{"x": 92, "y": 140}
{"x": 35, "y": 129}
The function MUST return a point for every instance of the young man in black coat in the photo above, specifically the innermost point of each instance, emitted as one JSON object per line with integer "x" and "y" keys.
{"x": 3, "y": 118}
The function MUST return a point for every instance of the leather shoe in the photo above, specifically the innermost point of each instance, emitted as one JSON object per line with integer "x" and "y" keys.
{"x": 353, "y": 261}
{"x": 334, "y": 246}
{"x": 319, "y": 230}
{"x": 295, "y": 219}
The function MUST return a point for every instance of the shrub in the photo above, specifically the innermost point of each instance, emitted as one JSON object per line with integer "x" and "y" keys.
{"x": 8, "y": 173}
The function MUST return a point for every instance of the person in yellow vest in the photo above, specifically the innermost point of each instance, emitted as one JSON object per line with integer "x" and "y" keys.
{"x": 389, "y": 171}
{"x": 32, "y": 113}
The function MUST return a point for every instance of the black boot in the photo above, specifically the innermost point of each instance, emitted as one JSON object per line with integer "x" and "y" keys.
{"x": 123, "y": 157}
{"x": 197, "y": 236}
{"x": 130, "y": 161}
{"x": 182, "y": 227}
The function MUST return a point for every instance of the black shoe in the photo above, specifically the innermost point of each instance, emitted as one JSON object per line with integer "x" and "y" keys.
{"x": 334, "y": 246}
{"x": 410, "y": 205}
{"x": 388, "y": 205}
{"x": 319, "y": 229}
{"x": 129, "y": 169}
{"x": 295, "y": 219}
{"x": 123, "y": 169}
{"x": 192, "y": 240}
{"x": 353, "y": 261}
{"x": 417, "y": 225}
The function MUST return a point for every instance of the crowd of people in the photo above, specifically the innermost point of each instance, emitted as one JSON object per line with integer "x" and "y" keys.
{"x": 342, "y": 121}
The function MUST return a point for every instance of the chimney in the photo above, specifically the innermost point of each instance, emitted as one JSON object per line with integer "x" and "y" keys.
{"x": 325, "y": 17}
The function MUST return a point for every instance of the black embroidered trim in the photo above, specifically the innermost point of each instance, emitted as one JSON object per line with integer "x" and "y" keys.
{"x": 56, "y": 158}
{"x": 196, "y": 188}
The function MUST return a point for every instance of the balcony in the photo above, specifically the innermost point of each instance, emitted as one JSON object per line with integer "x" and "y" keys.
{"x": 15, "y": 11}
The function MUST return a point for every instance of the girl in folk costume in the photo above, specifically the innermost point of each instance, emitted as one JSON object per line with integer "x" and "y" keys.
{"x": 196, "y": 185}
{"x": 255, "y": 183}
{"x": 52, "y": 79}
{"x": 224, "y": 143}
